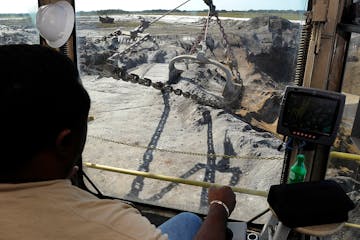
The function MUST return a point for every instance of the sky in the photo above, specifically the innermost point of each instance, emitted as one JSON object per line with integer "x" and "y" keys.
{"x": 26, "y": 6}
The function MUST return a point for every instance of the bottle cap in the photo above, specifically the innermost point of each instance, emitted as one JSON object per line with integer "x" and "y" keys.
{"x": 300, "y": 157}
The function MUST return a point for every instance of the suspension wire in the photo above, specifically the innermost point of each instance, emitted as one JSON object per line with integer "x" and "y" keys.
{"x": 207, "y": 25}
{"x": 99, "y": 193}
{"x": 198, "y": 154}
{"x": 168, "y": 12}
{"x": 119, "y": 32}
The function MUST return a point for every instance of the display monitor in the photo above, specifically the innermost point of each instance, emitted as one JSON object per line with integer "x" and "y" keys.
{"x": 311, "y": 114}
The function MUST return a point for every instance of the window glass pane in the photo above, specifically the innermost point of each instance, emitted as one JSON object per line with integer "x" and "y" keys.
{"x": 17, "y": 22}
{"x": 349, "y": 132}
{"x": 347, "y": 172}
{"x": 352, "y": 69}
{"x": 218, "y": 128}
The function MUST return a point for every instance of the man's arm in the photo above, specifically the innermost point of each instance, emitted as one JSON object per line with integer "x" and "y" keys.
{"x": 214, "y": 226}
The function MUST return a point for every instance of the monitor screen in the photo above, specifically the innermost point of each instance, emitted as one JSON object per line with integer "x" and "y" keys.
{"x": 312, "y": 114}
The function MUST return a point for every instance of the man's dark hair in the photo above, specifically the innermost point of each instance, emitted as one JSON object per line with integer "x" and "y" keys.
{"x": 40, "y": 95}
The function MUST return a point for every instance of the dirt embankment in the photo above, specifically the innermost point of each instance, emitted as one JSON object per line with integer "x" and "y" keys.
{"x": 265, "y": 49}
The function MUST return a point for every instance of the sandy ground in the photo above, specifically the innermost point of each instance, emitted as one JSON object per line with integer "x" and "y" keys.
{"x": 127, "y": 118}
{"x": 136, "y": 117}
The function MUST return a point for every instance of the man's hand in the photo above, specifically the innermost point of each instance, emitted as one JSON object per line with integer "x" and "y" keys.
{"x": 214, "y": 226}
{"x": 224, "y": 194}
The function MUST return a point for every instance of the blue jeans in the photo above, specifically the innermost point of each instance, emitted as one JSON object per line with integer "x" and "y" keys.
{"x": 183, "y": 226}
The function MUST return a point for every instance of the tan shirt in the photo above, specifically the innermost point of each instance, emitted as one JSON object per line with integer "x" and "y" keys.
{"x": 57, "y": 210}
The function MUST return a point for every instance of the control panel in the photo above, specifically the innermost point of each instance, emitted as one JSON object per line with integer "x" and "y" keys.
{"x": 310, "y": 114}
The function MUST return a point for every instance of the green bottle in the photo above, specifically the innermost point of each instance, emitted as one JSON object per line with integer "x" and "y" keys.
{"x": 298, "y": 170}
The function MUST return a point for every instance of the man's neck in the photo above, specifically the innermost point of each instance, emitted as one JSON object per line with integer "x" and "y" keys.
{"x": 42, "y": 167}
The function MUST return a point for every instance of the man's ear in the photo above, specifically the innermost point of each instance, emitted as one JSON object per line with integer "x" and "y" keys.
{"x": 65, "y": 153}
{"x": 62, "y": 140}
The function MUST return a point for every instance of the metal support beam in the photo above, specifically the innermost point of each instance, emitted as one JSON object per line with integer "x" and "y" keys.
{"x": 324, "y": 68}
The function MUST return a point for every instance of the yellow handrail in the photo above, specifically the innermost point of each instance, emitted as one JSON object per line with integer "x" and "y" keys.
{"x": 346, "y": 156}
{"x": 352, "y": 225}
{"x": 172, "y": 179}
{"x": 185, "y": 181}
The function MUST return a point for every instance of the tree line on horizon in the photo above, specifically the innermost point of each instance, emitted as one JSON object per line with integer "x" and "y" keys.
{"x": 289, "y": 14}
{"x": 157, "y": 11}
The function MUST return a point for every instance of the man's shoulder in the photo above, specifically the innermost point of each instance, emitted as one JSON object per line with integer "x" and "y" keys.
{"x": 69, "y": 207}
{"x": 114, "y": 215}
